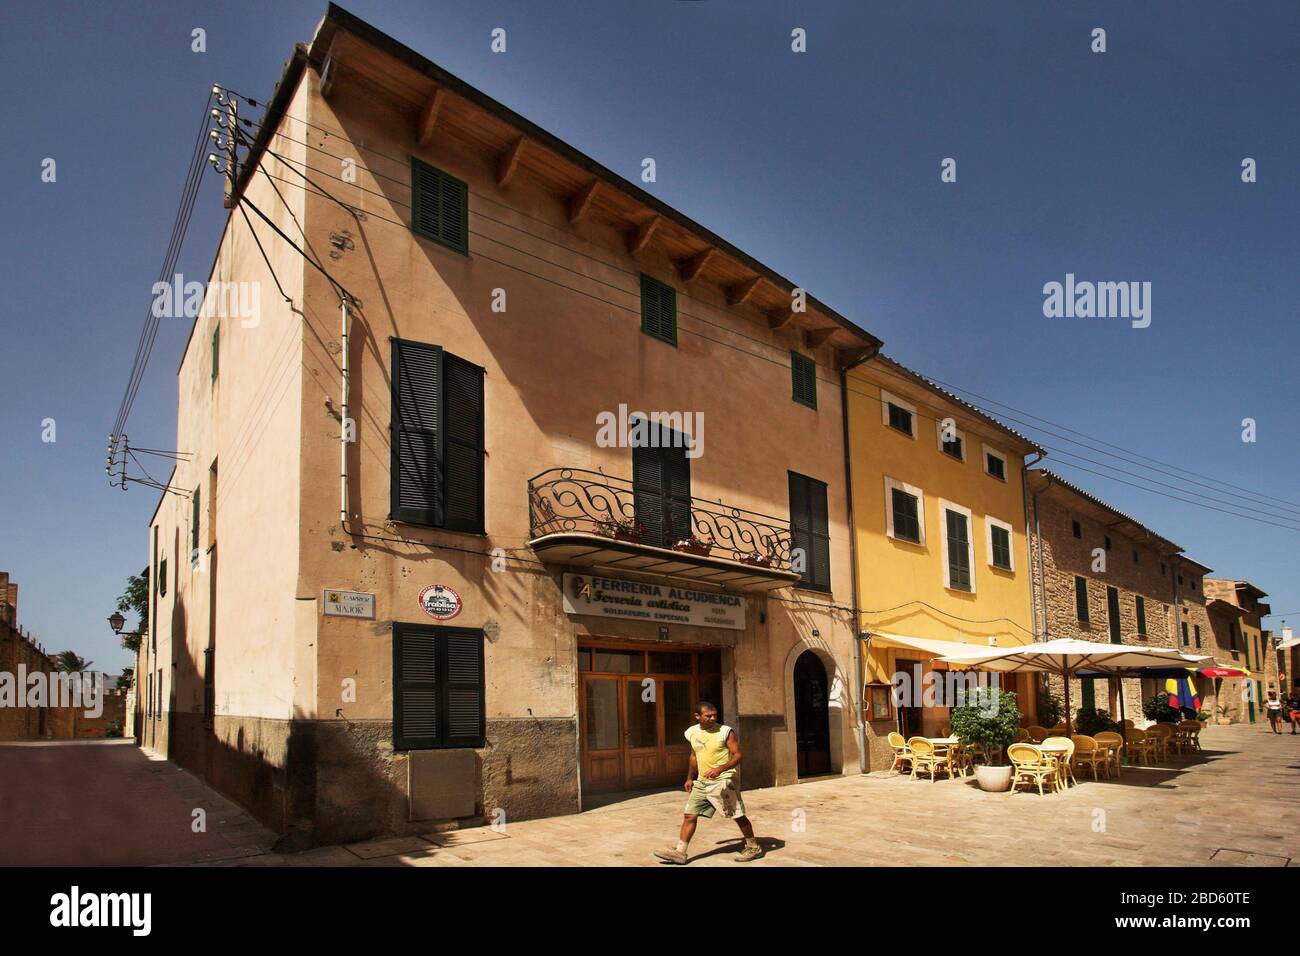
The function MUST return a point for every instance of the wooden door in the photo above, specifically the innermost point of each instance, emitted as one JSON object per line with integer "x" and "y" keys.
{"x": 602, "y": 733}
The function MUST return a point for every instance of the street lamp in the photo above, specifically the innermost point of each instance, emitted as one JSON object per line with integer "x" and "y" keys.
{"x": 116, "y": 621}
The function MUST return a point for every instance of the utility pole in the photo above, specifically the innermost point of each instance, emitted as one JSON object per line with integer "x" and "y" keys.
{"x": 232, "y": 118}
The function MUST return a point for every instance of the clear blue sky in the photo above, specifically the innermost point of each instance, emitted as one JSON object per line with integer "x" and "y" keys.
{"x": 1116, "y": 166}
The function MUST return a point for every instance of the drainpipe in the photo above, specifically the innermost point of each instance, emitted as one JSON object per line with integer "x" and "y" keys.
{"x": 860, "y": 718}
{"x": 343, "y": 420}
{"x": 1024, "y": 499}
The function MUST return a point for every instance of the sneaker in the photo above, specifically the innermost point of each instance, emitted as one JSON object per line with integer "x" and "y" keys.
{"x": 671, "y": 854}
{"x": 750, "y": 852}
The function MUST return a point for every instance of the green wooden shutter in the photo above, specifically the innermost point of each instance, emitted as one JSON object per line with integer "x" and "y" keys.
{"x": 809, "y": 530}
{"x": 194, "y": 524}
{"x": 803, "y": 371}
{"x": 661, "y": 487}
{"x": 216, "y": 350}
{"x": 1089, "y": 695}
{"x": 1081, "y": 597}
{"x": 462, "y": 444}
{"x": 416, "y": 463}
{"x": 439, "y": 206}
{"x": 463, "y": 697}
{"x": 1112, "y": 613}
{"x": 438, "y": 687}
{"x": 658, "y": 310}
{"x": 416, "y": 722}
{"x": 958, "y": 550}
{"x": 1142, "y": 615}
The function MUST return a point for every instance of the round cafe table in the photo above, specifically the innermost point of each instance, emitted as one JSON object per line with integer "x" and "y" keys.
{"x": 1058, "y": 751}
{"x": 950, "y": 746}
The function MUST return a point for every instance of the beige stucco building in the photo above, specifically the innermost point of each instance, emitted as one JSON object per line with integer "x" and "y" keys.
{"x": 424, "y": 564}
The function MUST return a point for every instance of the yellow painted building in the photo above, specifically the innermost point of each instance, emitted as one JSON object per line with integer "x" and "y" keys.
{"x": 940, "y": 538}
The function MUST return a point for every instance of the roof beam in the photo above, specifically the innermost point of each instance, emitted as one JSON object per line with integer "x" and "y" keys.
{"x": 643, "y": 233}
{"x": 740, "y": 294}
{"x": 779, "y": 320}
{"x": 509, "y": 162}
{"x": 580, "y": 202}
{"x": 815, "y": 338}
{"x": 691, "y": 268}
{"x": 429, "y": 118}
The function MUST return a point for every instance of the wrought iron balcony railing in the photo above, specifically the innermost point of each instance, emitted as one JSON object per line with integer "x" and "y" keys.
{"x": 574, "y": 500}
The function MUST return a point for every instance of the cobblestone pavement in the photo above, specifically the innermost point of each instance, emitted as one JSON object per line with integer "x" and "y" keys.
{"x": 1235, "y": 804}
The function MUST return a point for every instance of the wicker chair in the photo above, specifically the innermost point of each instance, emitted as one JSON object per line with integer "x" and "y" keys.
{"x": 902, "y": 754}
{"x": 925, "y": 756}
{"x": 1030, "y": 763}
{"x": 1190, "y": 731}
{"x": 1065, "y": 761}
{"x": 1036, "y": 734}
{"x": 1141, "y": 746}
{"x": 1088, "y": 754}
{"x": 1022, "y": 736}
{"x": 1114, "y": 744}
{"x": 1163, "y": 734}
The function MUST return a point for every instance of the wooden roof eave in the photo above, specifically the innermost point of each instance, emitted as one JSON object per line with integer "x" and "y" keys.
{"x": 642, "y": 216}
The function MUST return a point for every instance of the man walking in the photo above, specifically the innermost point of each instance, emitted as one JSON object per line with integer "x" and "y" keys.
{"x": 713, "y": 783}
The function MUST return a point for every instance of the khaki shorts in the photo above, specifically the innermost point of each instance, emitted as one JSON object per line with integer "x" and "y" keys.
{"x": 709, "y": 796}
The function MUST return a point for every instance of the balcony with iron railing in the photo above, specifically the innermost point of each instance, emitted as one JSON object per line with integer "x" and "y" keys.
{"x": 589, "y": 519}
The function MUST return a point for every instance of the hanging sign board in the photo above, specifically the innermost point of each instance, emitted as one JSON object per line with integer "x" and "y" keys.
{"x": 661, "y": 604}
{"x": 336, "y": 603}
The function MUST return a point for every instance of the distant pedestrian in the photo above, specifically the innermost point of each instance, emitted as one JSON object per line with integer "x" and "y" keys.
{"x": 1293, "y": 706}
{"x": 1274, "y": 705}
{"x": 713, "y": 782}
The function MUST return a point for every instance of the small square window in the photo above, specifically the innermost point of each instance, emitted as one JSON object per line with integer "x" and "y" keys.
{"x": 899, "y": 414}
{"x": 439, "y": 206}
{"x": 1078, "y": 531}
{"x": 803, "y": 370}
{"x": 658, "y": 310}
{"x": 953, "y": 449}
{"x": 1107, "y": 542}
{"x": 900, "y": 418}
{"x": 1135, "y": 557}
{"x": 995, "y": 463}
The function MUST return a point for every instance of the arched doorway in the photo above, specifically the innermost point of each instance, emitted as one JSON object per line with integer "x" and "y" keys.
{"x": 812, "y": 726}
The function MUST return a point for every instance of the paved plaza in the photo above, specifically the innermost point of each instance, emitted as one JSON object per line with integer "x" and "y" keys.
{"x": 1232, "y": 805}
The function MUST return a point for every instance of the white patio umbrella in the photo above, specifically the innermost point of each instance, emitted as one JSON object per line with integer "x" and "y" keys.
{"x": 1067, "y": 657}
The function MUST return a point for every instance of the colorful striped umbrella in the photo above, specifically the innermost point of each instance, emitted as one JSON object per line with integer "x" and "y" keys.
{"x": 1182, "y": 693}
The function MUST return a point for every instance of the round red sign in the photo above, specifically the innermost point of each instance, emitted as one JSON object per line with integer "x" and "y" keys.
{"x": 440, "y": 602}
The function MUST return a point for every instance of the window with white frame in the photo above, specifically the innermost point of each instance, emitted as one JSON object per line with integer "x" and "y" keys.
{"x": 999, "y": 542}
{"x": 904, "y": 511}
{"x": 955, "y": 444}
{"x": 958, "y": 550}
{"x": 897, "y": 414}
{"x": 995, "y": 463}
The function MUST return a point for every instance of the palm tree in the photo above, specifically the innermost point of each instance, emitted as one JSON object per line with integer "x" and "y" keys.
{"x": 69, "y": 661}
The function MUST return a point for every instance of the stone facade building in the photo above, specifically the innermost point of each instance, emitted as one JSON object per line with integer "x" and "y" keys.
{"x": 1236, "y": 610}
{"x": 1101, "y": 575}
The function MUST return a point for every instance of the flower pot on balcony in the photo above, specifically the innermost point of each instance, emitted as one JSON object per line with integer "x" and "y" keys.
{"x": 694, "y": 546}
{"x": 627, "y": 534}
{"x": 757, "y": 560}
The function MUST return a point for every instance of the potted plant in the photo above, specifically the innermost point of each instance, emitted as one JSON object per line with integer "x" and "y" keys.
{"x": 1221, "y": 714}
{"x": 695, "y": 545}
{"x": 991, "y": 719}
{"x": 1157, "y": 710}
{"x": 622, "y": 529}
{"x": 758, "y": 560}
{"x": 1091, "y": 722}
